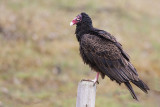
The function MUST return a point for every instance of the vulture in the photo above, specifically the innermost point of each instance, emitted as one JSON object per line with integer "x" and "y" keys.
{"x": 105, "y": 55}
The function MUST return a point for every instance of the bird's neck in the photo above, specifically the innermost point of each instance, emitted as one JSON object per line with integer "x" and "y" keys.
{"x": 82, "y": 29}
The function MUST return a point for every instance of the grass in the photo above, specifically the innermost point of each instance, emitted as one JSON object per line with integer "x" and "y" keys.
{"x": 39, "y": 54}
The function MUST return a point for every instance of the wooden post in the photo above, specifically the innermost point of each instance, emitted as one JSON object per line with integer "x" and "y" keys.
{"x": 86, "y": 94}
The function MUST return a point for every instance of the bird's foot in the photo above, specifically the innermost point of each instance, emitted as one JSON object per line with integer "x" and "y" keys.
{"x": 94, "y": 81}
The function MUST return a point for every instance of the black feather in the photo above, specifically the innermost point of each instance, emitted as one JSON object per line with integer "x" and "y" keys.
{"x": 128, "y": 85}
{"x": 141, "y": 85}
{"x": 103, "y": 53}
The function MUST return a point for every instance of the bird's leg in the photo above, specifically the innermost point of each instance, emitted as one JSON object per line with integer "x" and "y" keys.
{"x": 95, "y": 80}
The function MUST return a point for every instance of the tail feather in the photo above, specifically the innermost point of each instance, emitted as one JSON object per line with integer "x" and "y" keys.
{"x": 141, "y": 85}
{"x": 128, "y": 85}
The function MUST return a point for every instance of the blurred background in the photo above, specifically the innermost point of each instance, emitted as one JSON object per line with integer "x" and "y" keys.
{"x": 40, "y": 63}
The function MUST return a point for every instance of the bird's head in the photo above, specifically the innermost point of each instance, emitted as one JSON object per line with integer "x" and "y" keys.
{"x": 82, "y": 18}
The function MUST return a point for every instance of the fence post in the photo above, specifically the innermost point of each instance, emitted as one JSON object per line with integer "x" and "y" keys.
{"x": 86, "y": 94}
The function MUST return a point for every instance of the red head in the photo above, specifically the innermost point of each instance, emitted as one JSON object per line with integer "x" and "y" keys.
{"x": 76, "y": 20}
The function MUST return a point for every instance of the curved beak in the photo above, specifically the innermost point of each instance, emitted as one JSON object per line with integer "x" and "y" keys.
{"x": 71, "y": 23}
{"x": 74, "y": 21}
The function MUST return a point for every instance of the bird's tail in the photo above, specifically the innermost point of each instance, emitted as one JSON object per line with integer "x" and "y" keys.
{"x": 128, "y": 85}
{"x": 141, "y": 85}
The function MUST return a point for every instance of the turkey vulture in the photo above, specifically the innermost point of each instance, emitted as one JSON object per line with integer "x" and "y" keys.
{"x": 105, "y": 55}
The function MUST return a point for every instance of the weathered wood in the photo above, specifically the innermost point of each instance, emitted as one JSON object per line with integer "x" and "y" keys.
{"x": 86, "y": 94}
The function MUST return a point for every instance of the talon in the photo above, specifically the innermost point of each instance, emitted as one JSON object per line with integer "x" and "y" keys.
{"x": 86, "y": 80}
{"x": 97, "y": 82}
{"x": 94, "y": 84}
{"x": 94, "y": 81}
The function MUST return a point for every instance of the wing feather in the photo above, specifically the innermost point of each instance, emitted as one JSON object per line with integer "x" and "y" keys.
{"x": 108, "y": 36}
{"x": 108, "y": 58}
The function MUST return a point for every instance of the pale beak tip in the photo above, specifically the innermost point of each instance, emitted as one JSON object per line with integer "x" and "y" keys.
{"x": 71, "y": 23}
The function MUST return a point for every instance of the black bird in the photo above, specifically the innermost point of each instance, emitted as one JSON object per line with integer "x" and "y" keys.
{"x": 105, "y": 55}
